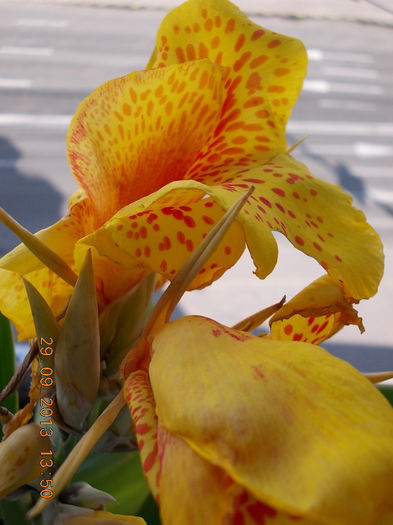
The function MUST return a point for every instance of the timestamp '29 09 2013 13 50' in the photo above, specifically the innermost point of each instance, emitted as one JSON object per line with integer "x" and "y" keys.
{"x": 46, "y": 412}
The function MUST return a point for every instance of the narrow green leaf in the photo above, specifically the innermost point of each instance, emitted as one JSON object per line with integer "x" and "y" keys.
{"x": 77, "y": 356}
{"x": 7, "y": 368}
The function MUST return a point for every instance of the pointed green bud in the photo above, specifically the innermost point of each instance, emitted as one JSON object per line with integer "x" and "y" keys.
{"x": 121, "y": 323}
{"x": 45, "y": 326}
{"x": 20, "y": 456}
{"x": 77, "y": 356}
{"x": 84, "y": 495}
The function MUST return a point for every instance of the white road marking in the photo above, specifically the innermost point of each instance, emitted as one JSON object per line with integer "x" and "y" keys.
{"x": 41, "y": 22}
{"x": 349, "y": 72}
{"x": 323, "y": 86}
{"x": 349, "y": 105}
{"x": 372, "y": 172}
{"x": 359, "y": 149}
{"x": 15, "y": 119}
{"x": 319, "y": 127}
{"x": 382, "y": 196}
{"x": 15, "y": 83}
{"x": 26, "y": 50}
{"x": 360, "y": 58}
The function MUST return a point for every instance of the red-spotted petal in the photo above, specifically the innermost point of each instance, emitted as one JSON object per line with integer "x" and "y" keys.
{"x": 137, "y": 133}
{"x": 264, "y": 74}
{"x": 315, "y": 314}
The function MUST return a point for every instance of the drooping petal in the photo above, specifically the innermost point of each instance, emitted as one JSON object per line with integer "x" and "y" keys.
{"x": 315, "y": 314}
{"x": 264, "y": 74}
{"x": 281, "y": 418}
{"x": 159, "y": 232}
{"x": 140, "y": 401}
{"x": 317, "y": 217}
{"x": 137, "y": 133}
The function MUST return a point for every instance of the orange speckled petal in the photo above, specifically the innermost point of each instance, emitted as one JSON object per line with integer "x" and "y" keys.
{"x": 135, "y": 134}
{"x": 140, "y": 401}
{"x": 315, "y": 314}
{"x": 317, "y": 217}
{"x": 280, "y": 418}
{"x": 159, "y": 232}
{"x": 264, "y": 75}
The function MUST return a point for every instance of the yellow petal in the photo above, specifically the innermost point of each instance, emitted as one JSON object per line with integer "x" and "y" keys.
{"x": 303, "y": 431}
{"x": 140, "y": 401}
{"x": 315, "y": 314}
{"x": 318, "y": 218}
{"x": 159, "y": 232}
{"x": 137, "y": 133}
{"x": 264, "y": 74}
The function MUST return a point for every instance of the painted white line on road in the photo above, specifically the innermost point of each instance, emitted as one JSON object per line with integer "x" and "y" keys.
{"x": 41, "y": 22}
{"x": 323, "y": 86}
{"x": 358, "y": 149}
{"x": 360, "y": 58}
{"x": 349, "y": 105}
{"x": 319, "y": 127}
{"x": 366, "y": 150}
{"x": 16, "y": 119}
{"x": 350, "y": 72}
{"x": 372, "y": 172}
{"x": 15, "y": 83}
{"x": 26, "y": 51}
{"x": 382, "y": 196}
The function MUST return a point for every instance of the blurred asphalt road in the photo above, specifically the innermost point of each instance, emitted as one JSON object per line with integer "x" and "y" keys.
{"x": 53, "y": 54}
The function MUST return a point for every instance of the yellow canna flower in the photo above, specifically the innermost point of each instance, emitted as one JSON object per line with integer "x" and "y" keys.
{"x": 237, "y": 429}
{"x": 161, "y": 154}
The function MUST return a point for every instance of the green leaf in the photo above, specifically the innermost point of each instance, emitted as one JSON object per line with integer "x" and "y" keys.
{"x": 7, "y": 367}
{"x": 120, "y": 474}
{"x": 387, "y": 391}
{"x": 13, "y": 512}
{"x": 149, "y": 511}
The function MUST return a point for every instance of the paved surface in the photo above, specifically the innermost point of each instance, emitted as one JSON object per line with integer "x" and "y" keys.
{"x": 52, "y": 56}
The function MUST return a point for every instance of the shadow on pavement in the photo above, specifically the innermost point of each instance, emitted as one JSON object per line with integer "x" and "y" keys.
{"x": 30, "y": 200}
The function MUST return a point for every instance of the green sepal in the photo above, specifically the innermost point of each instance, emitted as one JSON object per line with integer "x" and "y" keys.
{"x": 7, "y": 368}
{"x": 45, "y": 324}
{"x": 121, "y": 323}
{"x": 77, "y": 356}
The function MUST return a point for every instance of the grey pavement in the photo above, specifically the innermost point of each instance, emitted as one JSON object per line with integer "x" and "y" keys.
{"x": 369, "y": 11}
{"x": 52, "y": 54}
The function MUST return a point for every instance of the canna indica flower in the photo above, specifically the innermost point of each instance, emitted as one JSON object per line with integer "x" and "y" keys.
{"x": 161, "y": 154}
{"x": 259, "y": 430}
